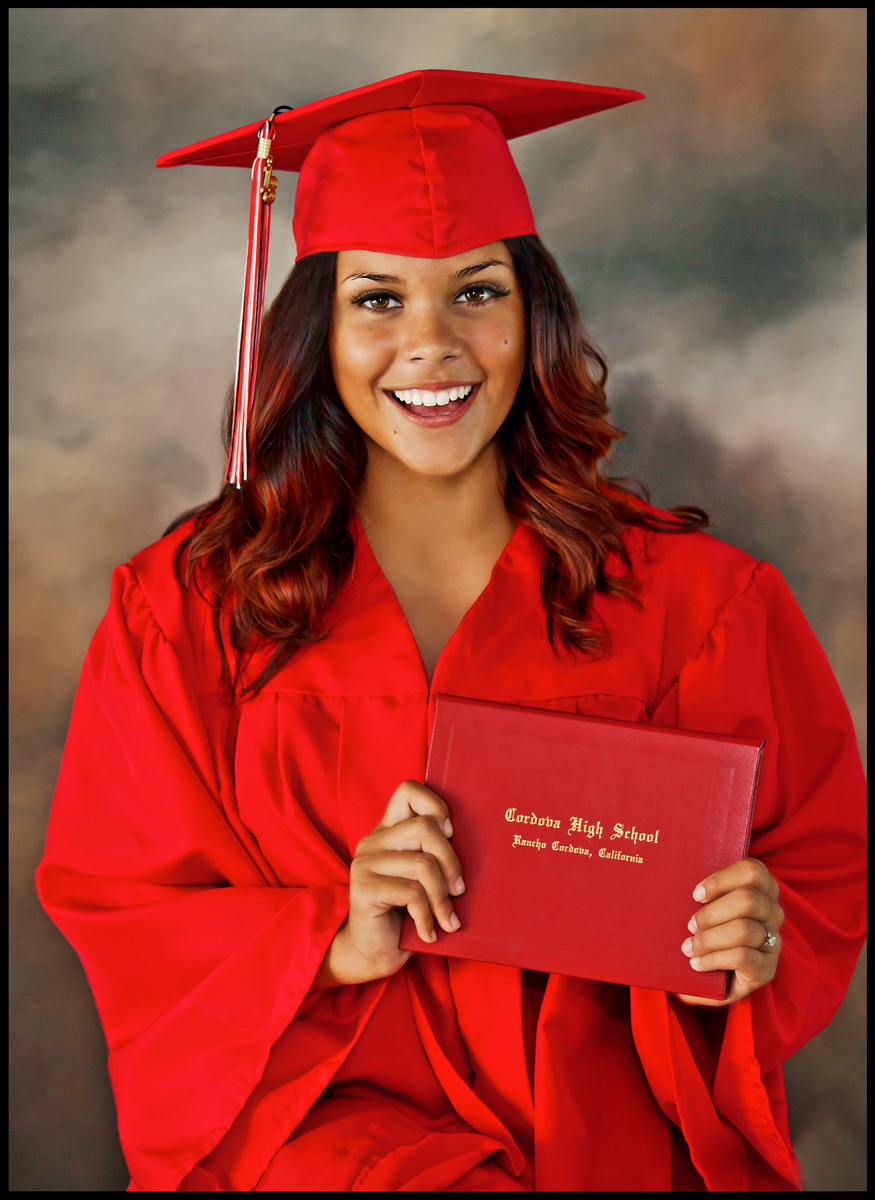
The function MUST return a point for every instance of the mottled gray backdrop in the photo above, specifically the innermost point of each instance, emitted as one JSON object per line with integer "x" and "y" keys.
{"x": 714, "y": 235}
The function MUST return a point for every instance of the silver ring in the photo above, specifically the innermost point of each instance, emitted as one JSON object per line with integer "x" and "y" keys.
{"x": 770, "y": 941}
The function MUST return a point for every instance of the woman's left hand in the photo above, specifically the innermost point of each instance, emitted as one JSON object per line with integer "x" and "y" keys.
{"x": 739, "y": 904}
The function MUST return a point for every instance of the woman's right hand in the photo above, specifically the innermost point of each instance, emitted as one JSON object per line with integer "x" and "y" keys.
{"x": 405, "y": 862}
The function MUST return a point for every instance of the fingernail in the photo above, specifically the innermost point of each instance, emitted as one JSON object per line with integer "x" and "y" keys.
{"x": 687, "y": 947}
{"x": 433, "y": 937}
{"x": 454, "y": 921}
{"x": 448, "y": 827}
{"x": 699, "y": 893}
{"x": 694, "y": 963}
{"x": 459, "y": 886}
{"x": 693, "y": 925}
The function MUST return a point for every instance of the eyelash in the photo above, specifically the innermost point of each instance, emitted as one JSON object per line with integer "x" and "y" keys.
{"x": 472, "y": 287}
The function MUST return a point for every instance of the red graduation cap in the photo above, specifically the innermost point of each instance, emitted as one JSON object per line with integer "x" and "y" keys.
{"x": 417, "y": 165}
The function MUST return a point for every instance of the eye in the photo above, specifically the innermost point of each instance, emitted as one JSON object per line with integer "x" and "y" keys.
{"x": 479, "y": 287}
{"x": 364, "y": 301}
{"x": 491, "y": 290}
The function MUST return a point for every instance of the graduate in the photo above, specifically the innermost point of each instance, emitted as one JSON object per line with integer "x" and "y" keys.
{"x": 413, "y": 506}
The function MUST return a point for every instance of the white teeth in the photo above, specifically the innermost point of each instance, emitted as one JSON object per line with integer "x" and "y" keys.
{"x": 430, "y": 399}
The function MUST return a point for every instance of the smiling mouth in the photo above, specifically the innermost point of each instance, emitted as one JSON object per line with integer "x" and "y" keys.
{"x": 428, "y": 405}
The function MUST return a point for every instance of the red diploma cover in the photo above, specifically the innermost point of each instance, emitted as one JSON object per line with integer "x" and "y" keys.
{"x": 581, "y": 839}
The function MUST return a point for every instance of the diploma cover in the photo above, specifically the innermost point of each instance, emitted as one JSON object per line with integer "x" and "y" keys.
{"x": 581, "y": 839}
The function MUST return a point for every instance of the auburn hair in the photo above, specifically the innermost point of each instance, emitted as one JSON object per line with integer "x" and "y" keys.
{"x": 272, "y": 556}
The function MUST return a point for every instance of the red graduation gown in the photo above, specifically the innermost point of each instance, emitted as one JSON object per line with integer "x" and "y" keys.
{"x": 197, "y": 860}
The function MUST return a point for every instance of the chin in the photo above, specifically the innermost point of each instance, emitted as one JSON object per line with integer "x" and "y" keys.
{"x": 443, "y": 469}
{"x": 436, "y": 466}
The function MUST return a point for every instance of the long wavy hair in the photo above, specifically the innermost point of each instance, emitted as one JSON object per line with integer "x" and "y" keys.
{"x": 271, "y": 558}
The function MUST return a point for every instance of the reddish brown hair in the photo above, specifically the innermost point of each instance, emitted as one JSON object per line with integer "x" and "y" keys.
{"x": 274, "y": 554}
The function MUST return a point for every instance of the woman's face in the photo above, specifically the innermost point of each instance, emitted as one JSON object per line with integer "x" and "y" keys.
{"x": 422, "y": 326}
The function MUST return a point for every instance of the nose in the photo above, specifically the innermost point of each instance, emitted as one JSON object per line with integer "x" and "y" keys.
{"x": 429, "y": 336}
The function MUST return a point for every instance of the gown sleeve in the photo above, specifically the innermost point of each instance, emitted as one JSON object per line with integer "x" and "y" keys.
{"x": 197, "y": 957}
{"x": 762, "y": 673}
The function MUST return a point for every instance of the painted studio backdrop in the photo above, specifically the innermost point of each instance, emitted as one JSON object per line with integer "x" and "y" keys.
{"x": 714, "y": 235}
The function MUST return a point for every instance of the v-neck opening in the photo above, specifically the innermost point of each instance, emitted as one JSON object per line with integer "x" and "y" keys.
{"x": 385, "y": 579}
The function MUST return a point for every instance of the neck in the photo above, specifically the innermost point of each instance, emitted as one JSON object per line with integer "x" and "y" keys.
{"x": 427, "y": 521}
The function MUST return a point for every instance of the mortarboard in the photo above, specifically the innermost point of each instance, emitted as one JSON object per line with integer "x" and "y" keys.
{"x": 417, "y": 165}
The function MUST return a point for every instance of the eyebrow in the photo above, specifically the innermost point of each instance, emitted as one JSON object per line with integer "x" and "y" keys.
{"x": 463, "y": 274}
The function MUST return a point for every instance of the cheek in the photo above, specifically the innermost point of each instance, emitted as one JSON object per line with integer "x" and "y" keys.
{"x": 359, "y": 356}
{"x": 502, "y": 347}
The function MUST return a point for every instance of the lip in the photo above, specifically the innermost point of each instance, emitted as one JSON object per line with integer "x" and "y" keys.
{"x": 441, "y": 417}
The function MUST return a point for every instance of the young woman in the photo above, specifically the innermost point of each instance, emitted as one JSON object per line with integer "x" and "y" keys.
{"x": 240, "y": 821}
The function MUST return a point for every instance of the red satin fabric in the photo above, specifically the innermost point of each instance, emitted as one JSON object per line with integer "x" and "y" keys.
{"x": 429, "y": 181}
{"x": 197, "y": 860}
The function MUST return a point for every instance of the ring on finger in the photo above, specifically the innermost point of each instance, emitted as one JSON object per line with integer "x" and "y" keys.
{"x": 770, "y": 941}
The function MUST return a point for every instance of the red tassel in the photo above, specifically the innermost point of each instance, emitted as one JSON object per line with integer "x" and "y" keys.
{"x": 263, "y": 189}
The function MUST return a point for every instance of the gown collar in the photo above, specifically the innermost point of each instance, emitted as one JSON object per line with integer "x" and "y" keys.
{"x": 511, "y": 567}
{"x": 371, "y": 649}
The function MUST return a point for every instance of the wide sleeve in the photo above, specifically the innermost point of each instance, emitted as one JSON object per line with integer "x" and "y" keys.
{"x": 762, "y": 673}
{"x": 197, "y": 958}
